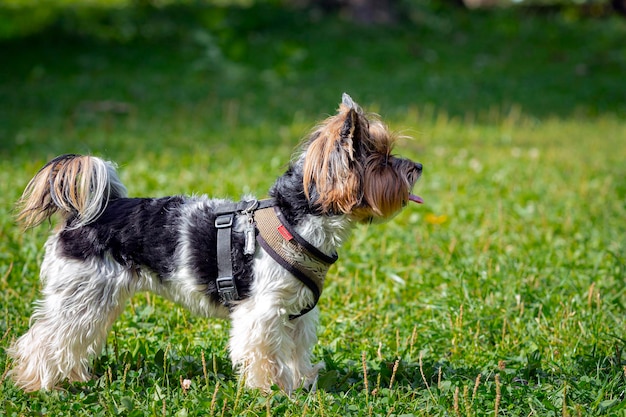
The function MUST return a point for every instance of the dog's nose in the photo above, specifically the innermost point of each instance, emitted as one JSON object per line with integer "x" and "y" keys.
{"x": 419, "y": 167}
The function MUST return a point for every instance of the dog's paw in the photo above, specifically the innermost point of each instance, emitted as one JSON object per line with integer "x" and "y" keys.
{"x": 310, "y": 383}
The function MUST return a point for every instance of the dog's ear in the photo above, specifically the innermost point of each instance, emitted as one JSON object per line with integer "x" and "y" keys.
{"x": 347, "y": 101}
{"x": 349, "y": 134}
{"x": 354, "y": 128}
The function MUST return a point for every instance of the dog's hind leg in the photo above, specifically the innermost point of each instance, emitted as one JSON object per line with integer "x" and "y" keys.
{"x": 81, "y": 300}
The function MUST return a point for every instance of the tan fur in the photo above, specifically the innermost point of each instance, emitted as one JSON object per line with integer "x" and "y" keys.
{"x": 70, "y": 184}
{"x": 344, "y": 183}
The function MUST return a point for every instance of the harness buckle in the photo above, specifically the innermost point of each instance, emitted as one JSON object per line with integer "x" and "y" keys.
{"x": 227, "y": 289}
{"x": 252, "y": 206}
{"x": 224, "y": 221}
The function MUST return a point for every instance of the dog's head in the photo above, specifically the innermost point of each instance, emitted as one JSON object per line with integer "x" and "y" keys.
{"x": 349, "y": 169}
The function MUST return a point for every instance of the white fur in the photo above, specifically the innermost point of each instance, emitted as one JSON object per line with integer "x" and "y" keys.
{"x": 70, "y": 323}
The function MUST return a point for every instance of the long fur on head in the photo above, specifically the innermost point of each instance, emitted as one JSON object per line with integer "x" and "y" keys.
{"x": 75, "y": 185}
{"x": 348, "y": 163}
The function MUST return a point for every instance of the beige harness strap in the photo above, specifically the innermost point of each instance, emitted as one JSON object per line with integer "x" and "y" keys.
{"x": 292, "y": 252}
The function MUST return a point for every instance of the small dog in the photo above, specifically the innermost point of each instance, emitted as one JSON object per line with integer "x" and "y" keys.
{"x": 260, "y": 263}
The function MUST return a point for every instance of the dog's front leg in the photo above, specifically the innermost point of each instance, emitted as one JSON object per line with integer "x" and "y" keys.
{"x": 268, "y": 348}
{"x": 305, "y": 337}
{"x": 262, "y": 344}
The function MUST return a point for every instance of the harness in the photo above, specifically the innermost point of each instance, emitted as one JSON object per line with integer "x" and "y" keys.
{"x": 266, "y": 224}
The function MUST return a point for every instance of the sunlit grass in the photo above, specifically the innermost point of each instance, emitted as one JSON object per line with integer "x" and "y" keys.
{"x": 504, "y": 291}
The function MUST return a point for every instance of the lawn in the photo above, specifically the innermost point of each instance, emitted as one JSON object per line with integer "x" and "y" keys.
{"x": 502, "y": 295}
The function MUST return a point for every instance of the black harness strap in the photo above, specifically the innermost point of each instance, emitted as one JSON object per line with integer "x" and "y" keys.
{"x": 226, "y": 285}
{"x": 225, "y": 281}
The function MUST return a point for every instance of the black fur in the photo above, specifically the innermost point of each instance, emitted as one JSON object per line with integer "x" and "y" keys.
{"x": 289, "y": 195}
{"x": 146, "y": 233}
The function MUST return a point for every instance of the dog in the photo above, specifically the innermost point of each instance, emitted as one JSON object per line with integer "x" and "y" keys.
{"x": 260, "y": 263}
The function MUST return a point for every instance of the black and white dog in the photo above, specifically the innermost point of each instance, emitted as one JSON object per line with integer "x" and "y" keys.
{"x": 260, "y": 263}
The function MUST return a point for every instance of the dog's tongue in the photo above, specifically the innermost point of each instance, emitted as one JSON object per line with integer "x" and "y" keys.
{"x": 416, "y": 199}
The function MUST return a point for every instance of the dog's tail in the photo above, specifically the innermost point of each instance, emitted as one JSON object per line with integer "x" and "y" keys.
{"x": 79, "y": 187}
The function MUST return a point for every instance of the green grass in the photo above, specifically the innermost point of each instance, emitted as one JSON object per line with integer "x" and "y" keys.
{"x": 504, "y": 292}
